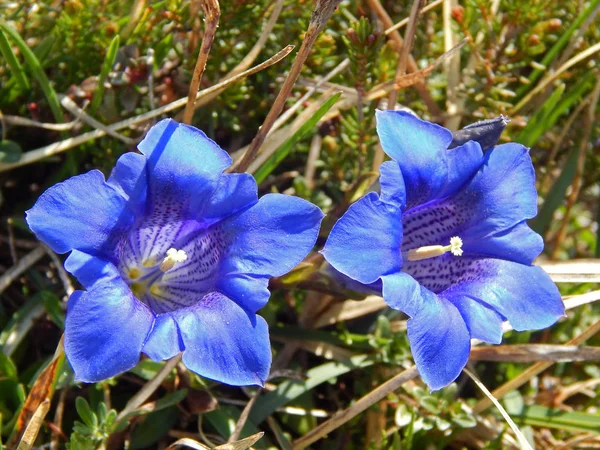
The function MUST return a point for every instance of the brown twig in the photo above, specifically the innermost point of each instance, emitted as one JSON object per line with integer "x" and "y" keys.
{"x": 323, "y": 10}
{"x": 409, "y": 38}
{"x": 212, "y": 13}
{"x": 532, "y": 371}
{"x": 239, "y": 426}
{"x": 145, "y": 392}
{"x": 420, "y": 86}
{"x": 362, "y": 404}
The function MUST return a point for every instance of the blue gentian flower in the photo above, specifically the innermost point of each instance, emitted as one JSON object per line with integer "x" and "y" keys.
{"x": 175, "y": 256}
{"x": 449, "y": 241}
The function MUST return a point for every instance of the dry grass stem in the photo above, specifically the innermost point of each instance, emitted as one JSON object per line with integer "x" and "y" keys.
{"x": 62, "y": 146}
{"x": 145, "y": 392}
{"x": 578, "y": 177}
{"x": 323, "y": 10}
{"x": 212, "y": 13}
{"x": 359, "y": 406}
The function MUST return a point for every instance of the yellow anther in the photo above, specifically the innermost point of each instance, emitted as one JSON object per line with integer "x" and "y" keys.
{"x": 173, "y": 256}
{"x": 134, "y": 273}
{"x": 431, "y": 251}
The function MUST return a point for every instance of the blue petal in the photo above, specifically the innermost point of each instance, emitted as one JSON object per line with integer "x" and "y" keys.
{"x": 365, "y": 243}
{"x": 222, "y": 342}
{"x": 402, "y": 292}
{"x": 105, "y": 330}
{"x": 271, "y": 237}
{"x": 79, "y": 213}
{"x": 249, "y": 291}
{"x": 429, "y": 169}
{"x": 502, "y": 194}
{"x": 439, "y": 340}
{"x": 183, "y": 163}
{"x": 234, "y": 193}
{"x": 524, "y": 295}
{"x": 164, "y": 341}
{"x": 129, "y": 178}
{"x": 519, "y": 244}
{"x": 392, "y": 184}
{"x": 90, "y": 269}
{"x": 483, "y": 322}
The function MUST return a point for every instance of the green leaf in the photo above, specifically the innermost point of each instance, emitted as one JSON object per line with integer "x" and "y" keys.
{"x": 154, "y": 428}
{"x": 13, "y": 63}
{"x": 10, "y": 152}
{"x": 292, "y": 389}
{"x": 541, "y": 416}
{"x": 7, "y": 367}
{"x": 464, "y": 420}
{"x": 86, "y": 413}
{"x": 275, "y": 159}
{"x": 555, "y": 196}
{"x": 109, "y": 61}
{"x": 36, "y": 69}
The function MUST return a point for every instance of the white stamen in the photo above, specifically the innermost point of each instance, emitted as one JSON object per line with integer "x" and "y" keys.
{"x": 173, "y": 256}
{"x": 431, "y": 251}
{"x": 456, "y": 246}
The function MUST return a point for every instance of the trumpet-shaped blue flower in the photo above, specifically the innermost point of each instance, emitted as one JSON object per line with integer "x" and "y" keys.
{"x": 175, "y": 256}
{"x": 448, "y": 240}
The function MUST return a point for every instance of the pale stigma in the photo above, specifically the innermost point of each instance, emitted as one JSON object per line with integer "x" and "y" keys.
{"x": 173, "y": 256}
{"x": 431, "y": 251}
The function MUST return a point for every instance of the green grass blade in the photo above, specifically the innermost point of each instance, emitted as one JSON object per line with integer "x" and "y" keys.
{"x": 109, "y": 61}
{"x": 36, "y": 69}
{"x": 292, "y": 389}
{"x": 538, "y": 124}
{"x": 281, "y": 153}
{"x": 553, "y": 418}
{"x": 555, "y": 196}
{"x": 13, "y": 62}
{"x": 558, "y": 46}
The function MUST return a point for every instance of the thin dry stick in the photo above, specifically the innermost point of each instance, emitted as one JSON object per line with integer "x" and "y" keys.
{"x": 524, "y": 443}
{"x": 409, "y": 37}
{"x": 212, "y": 13}
{"x": 59, "y": 147}
{"x": 72, "y": 107}
{"x": 244, "y": 417}
{"x": 362, "y": 404}
{"x": 421, "y": 88}
{"x": 311, "y": 161}
{"x": 24, "y": 263}
{"x": 549, "y": 79}
{"x": 323, "y": 10}
{"x": 149, "y": 388}
{"x": 578, "y": 177}
{"x": 532, "y": 371}
{"x": 452, "y": 66}
{"x": 62, "y": 273}
{"x": 245, "y": 63}
{"x": 405, "y": 21}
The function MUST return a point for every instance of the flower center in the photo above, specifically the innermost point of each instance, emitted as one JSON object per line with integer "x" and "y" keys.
{"x": 171, "y": 266}
{"x": 431, "y": 251}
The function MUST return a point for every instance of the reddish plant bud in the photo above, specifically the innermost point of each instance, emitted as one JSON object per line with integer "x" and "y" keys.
{"x": 458, "y": 13}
